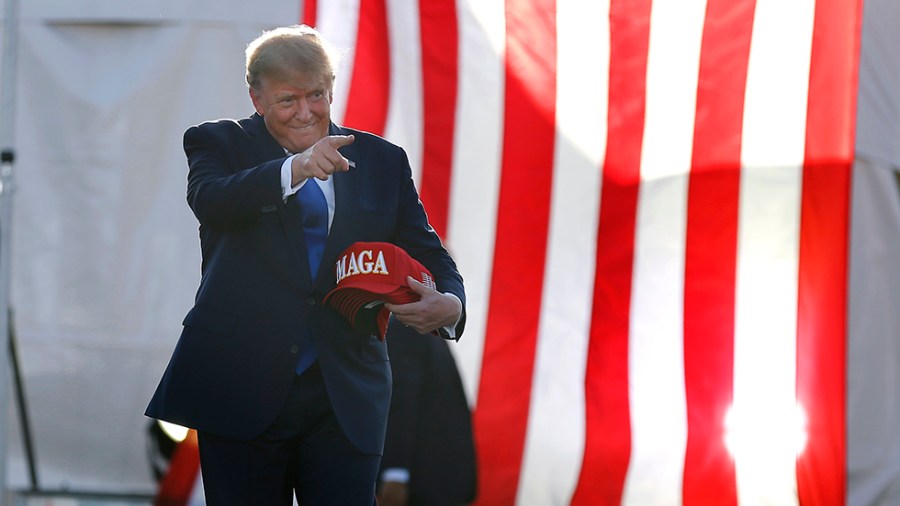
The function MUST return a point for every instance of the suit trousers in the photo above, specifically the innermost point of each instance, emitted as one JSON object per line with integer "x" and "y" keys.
{"x": 304, "y": 451}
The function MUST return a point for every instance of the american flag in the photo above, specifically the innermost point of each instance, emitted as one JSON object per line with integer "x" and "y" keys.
{"x": 649, "y": 202}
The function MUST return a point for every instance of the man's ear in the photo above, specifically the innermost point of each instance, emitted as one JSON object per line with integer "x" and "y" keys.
{"x": 257, "y": 100}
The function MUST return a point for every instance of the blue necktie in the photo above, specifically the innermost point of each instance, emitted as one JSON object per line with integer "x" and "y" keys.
{"x": 314, "y": 210}
{"x": 315, "y": 222}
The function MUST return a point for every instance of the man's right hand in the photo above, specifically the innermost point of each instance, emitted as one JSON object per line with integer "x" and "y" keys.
{"x": 321, "y": 160}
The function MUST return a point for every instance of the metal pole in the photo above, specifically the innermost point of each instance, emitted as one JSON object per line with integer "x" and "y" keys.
{"x": 22, "y": 403}
{"x": 5, "y": 208}
{"x": 7, "y": 125}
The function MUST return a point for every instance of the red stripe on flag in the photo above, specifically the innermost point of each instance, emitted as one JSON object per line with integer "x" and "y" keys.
{"x": 370, "y": 84}
{"x": 440, "y": 41}
{"x": 824, "y": 229}
{"x": 711, "y": 251}
{"x": 308, "y": 16}
{"x": 608, "y": 427}
{"x": 501, "y": 416}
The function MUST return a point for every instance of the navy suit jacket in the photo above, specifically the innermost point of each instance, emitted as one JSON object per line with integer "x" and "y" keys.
{"x": 233, "y": 364}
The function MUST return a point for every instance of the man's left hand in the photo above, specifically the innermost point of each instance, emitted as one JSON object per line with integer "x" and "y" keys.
{"x": 433, "y": 311}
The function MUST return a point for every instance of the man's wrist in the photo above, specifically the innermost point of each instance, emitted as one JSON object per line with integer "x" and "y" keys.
{"x": 449, "y": 331}
{"x": 287, "y": 175}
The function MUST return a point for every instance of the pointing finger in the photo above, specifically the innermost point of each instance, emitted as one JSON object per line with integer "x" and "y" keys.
{"x": 338, "y": 141}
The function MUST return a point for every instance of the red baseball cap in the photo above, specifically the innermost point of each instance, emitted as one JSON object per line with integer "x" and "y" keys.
{"x": 369, "y": 274}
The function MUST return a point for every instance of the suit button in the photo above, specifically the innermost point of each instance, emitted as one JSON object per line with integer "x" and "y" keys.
{"x": 310, "y": 301}
{"x": 294, "y": 349}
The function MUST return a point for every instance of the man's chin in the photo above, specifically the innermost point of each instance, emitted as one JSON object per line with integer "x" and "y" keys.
{"x": 303, "y": 141}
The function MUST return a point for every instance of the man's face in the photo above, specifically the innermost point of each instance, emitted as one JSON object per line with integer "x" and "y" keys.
{"x": 297, "y": 110}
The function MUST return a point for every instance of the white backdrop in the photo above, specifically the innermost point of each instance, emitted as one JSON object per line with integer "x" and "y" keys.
{"x": 106, "y": 257}
{"x": 873, "y": 383}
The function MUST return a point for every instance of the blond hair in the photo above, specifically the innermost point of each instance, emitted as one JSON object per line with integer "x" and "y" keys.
{"x": 289, "y": 49}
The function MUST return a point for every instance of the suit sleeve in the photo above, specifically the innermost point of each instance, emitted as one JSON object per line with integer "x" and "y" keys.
{"x": 221, "y": 192}
{"x": 419, "y": 239}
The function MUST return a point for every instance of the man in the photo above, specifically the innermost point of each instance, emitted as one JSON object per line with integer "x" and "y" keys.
{"x": 424, "y": 464}
{"x": 284, "y": 394}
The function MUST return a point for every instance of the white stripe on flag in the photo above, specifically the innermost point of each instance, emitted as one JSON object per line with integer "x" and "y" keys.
{"x": 768, "y": 234}
{"x": 405, "y": 121}
{"x": 656, "y": 366}
{"x": 555, "y": 438}
{"x": 476, "y": 179}
{"x": 338, "y": 21}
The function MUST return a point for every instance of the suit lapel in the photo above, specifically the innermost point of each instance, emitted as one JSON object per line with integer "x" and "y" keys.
{"x": 290, "y": 212}
{"x": 335, "y": 242}
{"x": 343, "y": 211}
{"x": 292, "y": 222}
